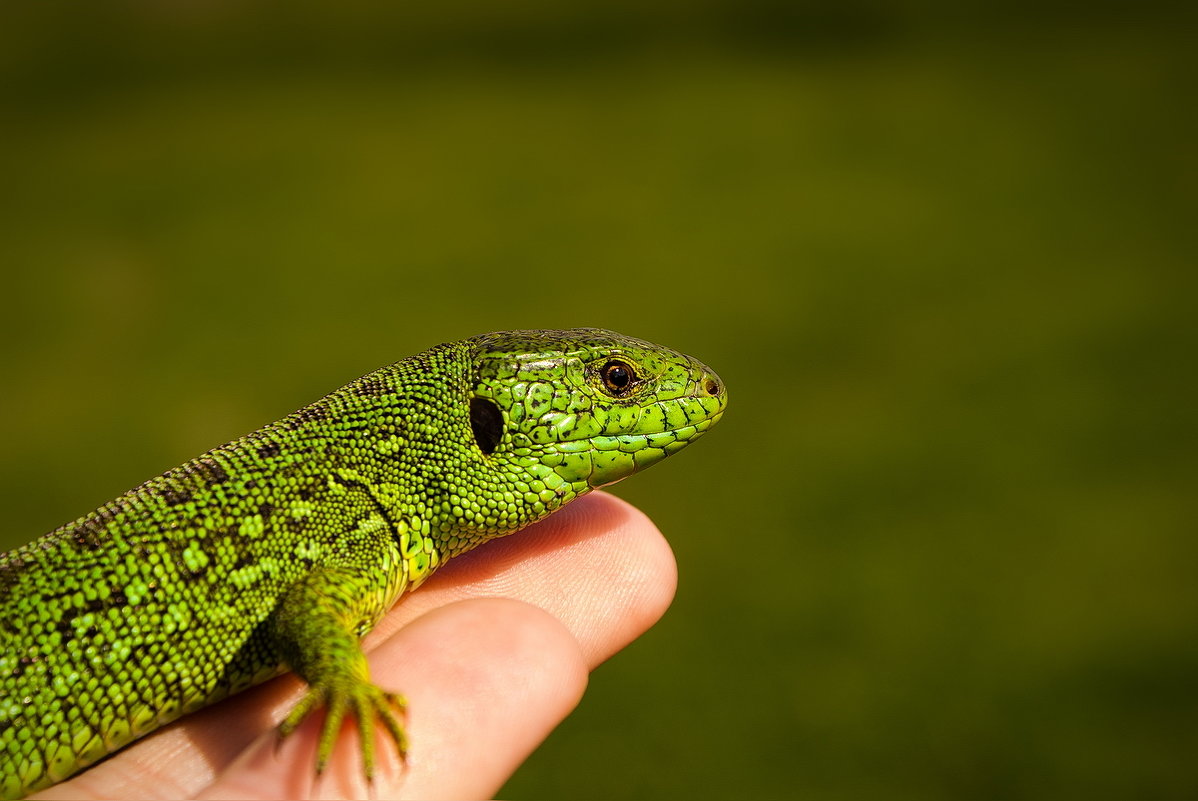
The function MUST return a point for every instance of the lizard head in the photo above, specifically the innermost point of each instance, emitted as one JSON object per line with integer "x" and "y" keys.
{"x": 563, "y": 412}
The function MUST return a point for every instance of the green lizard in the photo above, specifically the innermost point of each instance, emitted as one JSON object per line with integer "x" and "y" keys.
{"x": 283, "y": 548}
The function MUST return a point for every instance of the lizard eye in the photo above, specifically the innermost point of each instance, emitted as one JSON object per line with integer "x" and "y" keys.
{"x": 618, "y": 377}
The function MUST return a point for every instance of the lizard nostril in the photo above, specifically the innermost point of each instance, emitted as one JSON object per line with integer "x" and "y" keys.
{"x": 712, "y": 386}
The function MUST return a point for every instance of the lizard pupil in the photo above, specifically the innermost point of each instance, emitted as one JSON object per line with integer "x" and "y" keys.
{"x": 617, "y": 377}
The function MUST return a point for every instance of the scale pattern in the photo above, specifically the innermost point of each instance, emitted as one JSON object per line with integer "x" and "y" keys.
{"x": 281, "y": 549}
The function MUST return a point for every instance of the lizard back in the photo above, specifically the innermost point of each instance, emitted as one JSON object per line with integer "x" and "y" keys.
{"x": 167, "y": 598}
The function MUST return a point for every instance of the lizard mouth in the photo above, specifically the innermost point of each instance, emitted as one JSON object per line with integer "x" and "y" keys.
{"x": 671, "y": 426}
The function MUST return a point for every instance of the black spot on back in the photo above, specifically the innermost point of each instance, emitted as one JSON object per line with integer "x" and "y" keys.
{"x": 371, "y": 387}
{"x": 174, "y": 496}
{"x": 308, "y": 414}
{"x": 90, "y": 534}
{"x": 268, "y": 449}
{"x": 65, "y": 628}
{"x": 207, "y": 470}
{"x": 11, "y": 568}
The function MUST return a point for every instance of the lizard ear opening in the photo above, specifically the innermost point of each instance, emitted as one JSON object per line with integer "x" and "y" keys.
{"x": 486, "y": 421}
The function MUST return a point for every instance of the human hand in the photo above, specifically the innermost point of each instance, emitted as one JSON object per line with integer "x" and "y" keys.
{"x": 492, "y": 653}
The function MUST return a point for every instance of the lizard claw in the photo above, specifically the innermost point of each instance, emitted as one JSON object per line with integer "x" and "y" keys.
{"x": 367, "y": 702}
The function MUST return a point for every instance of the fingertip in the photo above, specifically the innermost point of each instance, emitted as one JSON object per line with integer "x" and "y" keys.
{"x": 634, "y": 571}
{"x": 488, "y": 680}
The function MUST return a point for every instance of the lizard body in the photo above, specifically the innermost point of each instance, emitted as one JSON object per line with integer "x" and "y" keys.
{"x": 281, "y": 549}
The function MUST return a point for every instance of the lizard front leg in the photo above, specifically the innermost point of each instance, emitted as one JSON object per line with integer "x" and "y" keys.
{"x": 317, "y": 625}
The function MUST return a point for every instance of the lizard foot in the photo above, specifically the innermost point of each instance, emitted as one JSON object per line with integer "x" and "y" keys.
{"x": 367, "y": 702}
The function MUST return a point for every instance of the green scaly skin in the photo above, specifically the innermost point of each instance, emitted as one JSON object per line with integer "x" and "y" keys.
{"x": 283, "y": 548}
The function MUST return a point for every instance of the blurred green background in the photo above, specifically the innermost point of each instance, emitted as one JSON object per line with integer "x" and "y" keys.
{"x": 943, "y": 544}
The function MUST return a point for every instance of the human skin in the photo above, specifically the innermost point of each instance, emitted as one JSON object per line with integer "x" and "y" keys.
{"x": 492, "y": 653}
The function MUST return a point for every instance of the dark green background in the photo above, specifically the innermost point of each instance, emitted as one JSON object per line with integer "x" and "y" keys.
{"x": 943, "y": 544}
